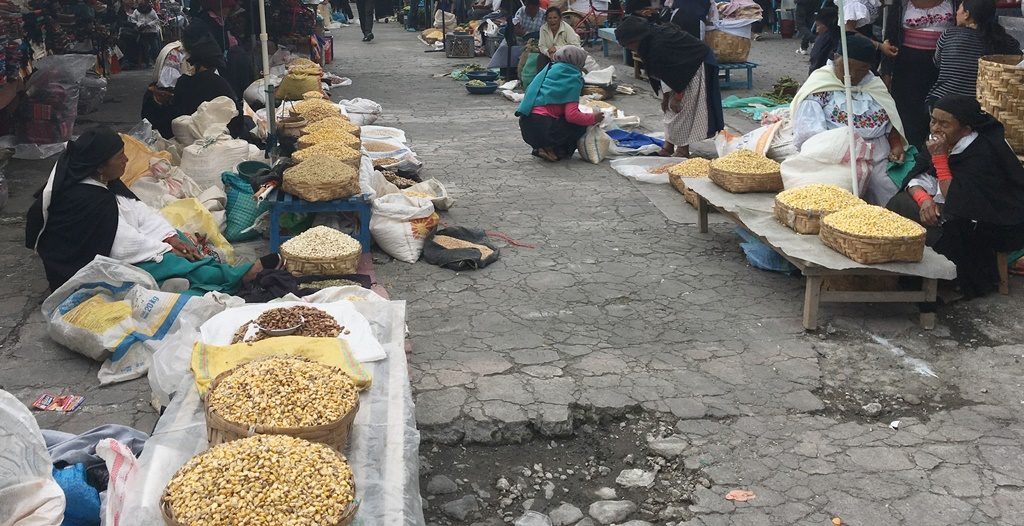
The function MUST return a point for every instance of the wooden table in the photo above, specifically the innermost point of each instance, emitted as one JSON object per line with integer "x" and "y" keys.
{"x": 932, "y": 268}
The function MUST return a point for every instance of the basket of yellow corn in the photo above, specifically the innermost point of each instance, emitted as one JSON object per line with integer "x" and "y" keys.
{"x": 263, "y": 479}
{"x": 678, "y": 173}
{"x": 321, "y": 251}
{"x": 321, "y": 178}
{"x": 282, "y": 395}
{"x": 802, "y": 208}
{"x": 744, "y": 171}
{"x": 329, "y": 135}
{"x": 339, "y": 123}
{"x": 871, "y": 234}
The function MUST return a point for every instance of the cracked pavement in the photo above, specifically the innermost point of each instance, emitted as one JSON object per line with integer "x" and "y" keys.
{"x": 622, "y": 306}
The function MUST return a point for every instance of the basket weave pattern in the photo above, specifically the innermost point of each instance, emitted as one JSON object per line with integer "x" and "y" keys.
{"x": 334, "y": 266}
{"x": 738, "y": 183}
{"x": 868, "y": 250}
{"x": 801, "y": 221}
{"x": 728, "y": 48}
{"x": 1001, "y": 93}
{"x": 679, "y": 184}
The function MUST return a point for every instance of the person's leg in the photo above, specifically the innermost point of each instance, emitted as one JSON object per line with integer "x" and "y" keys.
{"x": 370, "y": 17}
{"x": 346, "y": 9}
{"x": 365, "y": 21}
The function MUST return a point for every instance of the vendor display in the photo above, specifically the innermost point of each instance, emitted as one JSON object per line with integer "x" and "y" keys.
{"x": 802, "y": 208}
{"x": 321, "y": 178}
{"x": 329, "y": 136}
{"x": 289, "y": 321}
{"x": 338, "y": 122}
{"x": 380, "y": 147}
{"x": 744, "y": 171}
{"x": 321, "y": 251}
{"x": 336, "y": 150}
{"x": 314, "y": 110}
{"x": 677, "y": 173}
{"x": 263, "y": 479}
{"x": 871, "y": 234}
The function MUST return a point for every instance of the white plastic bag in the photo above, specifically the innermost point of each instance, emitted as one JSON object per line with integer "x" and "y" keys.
{"x": 362, "y": 111}
{"x": 601, "y": 77}
{"x": 163, "y": 184}
{"x": 382, "y": 132}
{"x": 639, "y": 168}
{"x": 207, "y": 159}
{"x": 28, "y": 494}
{"x": 825, "y": 159}
{"x": 400, "y": 225}
{"x": 372, "y": 182}
{"x": 441, "y": 199}
{"x": 594, "y": 145}
{"x": 444, "y": 19}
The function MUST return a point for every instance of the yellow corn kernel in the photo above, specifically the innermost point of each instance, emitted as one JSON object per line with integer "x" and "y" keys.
{"x": 821, "y": 198}
{"x": 745, "y": 162}
{"x": 872, "y": 221}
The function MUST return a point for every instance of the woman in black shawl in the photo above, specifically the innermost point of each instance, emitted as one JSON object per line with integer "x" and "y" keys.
{"x": 969, "y": 189}
{"x": 684, "y": 71}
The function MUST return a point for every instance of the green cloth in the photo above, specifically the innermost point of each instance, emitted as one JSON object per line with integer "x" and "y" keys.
{"x": 898, "y": 172}
{"x": 1015, "y": 256}
{"x": 242, "y": 209}
{"x": 205, "y": 275}
{"x": 557, "y": 83}
{"x": 755, "y": 106}
{"x": 529, "y": 71}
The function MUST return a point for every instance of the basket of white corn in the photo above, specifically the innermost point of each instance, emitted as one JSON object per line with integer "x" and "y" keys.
{"x": 321, "y": 178}
{"x": 871, "y": 234}
{"x": 282, "y": 396}
{"x": 264, "y": 479}
{"x": 321, "y": 251}
{"x": 802, "y": 208}
{"x": 744, "y": 171}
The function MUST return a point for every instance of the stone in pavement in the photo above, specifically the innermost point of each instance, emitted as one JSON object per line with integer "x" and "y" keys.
{"x": 611, "y": 511}
{"x": 441, "y": 485}
{"x": 462, "y": 508}
{"x": 668, "y": 447}
{"x": 565, "y": 515}
{"x": 635, "y": 478}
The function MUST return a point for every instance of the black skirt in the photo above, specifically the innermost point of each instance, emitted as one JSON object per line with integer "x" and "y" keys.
{"x": 914, "y": 74}
{"x": 972, "y": 246}
{"x": 560, "y": 135}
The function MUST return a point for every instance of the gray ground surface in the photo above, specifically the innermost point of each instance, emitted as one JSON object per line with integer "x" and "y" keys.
{"x": 623, "y": 316}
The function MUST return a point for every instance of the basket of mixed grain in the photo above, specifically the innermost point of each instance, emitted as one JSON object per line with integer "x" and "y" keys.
{"x": 744, "y": 171}
{"x": 321, "y": 178}
{"x": 331, "y": 135}
{"x": 321, "y": 251}
{"x": 690, "y": 168}
{"x": 263, "y": 479}
{"x": 871, "y": 234}
{"x": 282, "y": 395}
{"x": 802, "y": 208}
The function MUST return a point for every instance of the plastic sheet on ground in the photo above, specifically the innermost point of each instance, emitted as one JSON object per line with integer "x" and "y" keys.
{"x": 638, "y": 168}
{"x": 755, "y": 210}
{"x": 383, "y": 447}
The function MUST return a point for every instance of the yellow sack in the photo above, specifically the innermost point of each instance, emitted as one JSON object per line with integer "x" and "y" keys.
{"x": 138, "y": 159}
{"x": 189, "y": 215}
{"x": 294, "y": 85}
{"x": 208, "y": 361}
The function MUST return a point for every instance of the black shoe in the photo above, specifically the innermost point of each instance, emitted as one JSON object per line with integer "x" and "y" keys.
{"x": 367, "y": 37}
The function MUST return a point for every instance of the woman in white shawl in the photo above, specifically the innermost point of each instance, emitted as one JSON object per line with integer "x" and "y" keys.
{"x": 821, "y": 105}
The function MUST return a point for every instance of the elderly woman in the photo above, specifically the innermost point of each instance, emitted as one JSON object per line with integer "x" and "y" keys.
{"x": 821, "y": 105}
{"x": 549, "y": 116}
{"x": 556, "y": 33}
{"x": 684, "y": 71}
{"x": 968, "y": 190}
{"x": 86, "y": 211}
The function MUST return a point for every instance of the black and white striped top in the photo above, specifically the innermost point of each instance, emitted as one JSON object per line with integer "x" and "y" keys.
{"x": 956, "y": 55}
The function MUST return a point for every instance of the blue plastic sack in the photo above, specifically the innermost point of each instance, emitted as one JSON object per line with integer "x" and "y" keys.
{"x": 82, "y": 506}
{"x": 762, "y": 256}
{"x": 634, "y": 140}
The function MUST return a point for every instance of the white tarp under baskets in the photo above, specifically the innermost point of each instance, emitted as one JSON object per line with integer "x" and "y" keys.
{"x": 639, "y": 168}
{"x": 28, "y": 494}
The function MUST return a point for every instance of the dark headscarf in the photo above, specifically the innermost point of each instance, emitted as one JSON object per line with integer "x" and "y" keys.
{"x": 861, "y": 49}
{"x": 669, "y": 54}
{"x": 84, "y": 156}
{"x": 204, "y": 51}
{"x": 631, "y": 29}
{"x": 966, "y": 109}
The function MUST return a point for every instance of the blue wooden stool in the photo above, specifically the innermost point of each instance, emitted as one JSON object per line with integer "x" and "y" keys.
{"x": 283, "y": 203}
{"x": 729, "y": 83}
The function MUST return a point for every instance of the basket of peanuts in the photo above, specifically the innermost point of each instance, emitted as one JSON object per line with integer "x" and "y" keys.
{"x": 871, "y": 234}
{"x": 744, "y": 171}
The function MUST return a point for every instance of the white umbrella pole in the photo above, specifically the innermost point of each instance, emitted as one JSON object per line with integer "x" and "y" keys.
{"x": 266, "y": 67}
{"x": 849, "y": 99}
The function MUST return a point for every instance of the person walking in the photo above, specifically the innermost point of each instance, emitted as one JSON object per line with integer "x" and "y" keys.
{"x": 805, "y": 10}
{"x": 366, "y": 17}
{"x": 148, "y": 23}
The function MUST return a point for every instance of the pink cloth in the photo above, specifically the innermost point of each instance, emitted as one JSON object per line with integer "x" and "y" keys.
{"x": 571, "y": 111}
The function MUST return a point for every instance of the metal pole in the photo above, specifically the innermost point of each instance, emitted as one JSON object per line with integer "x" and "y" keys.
{"x": 271, "y": 109}
{"x": 849, "y": 99}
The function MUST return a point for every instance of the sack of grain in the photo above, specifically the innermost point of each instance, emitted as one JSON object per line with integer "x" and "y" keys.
{"x": 459, "y": 248}
{"x": 437, "y": 192}
{"x": 400, "y": 224}
{"x": 321, "y": 178}
{"x": 594, "y": 145}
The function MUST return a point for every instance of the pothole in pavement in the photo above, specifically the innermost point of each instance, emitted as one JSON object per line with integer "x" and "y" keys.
{"x": 493, "y": 485}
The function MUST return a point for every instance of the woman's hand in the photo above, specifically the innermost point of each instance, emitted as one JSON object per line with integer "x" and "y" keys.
{"x": 888, "y": 49}
{"x": 937, "y": 145}
{"x": 676, "y": 102}
{"x": 551, "y": 51}
{"x": 180, "y": 248}
{"x": 929, "y": 213}
{"x": 599, "y": 117}
{"x": 897, "y": 155}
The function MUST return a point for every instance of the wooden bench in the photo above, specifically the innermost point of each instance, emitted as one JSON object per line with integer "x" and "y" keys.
{"x": 728, "y": 83}
{"x": 757, "y": 218}
{"x": 283, "y": 203}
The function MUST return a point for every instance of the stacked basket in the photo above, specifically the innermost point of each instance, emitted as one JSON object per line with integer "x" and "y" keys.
{"x": 744, "y": 171}
{"x": 870, "y": 235}
{"x": 728, "y": 48}
{"x": 690, "y": 168}
{"x": 1001, "y": 93}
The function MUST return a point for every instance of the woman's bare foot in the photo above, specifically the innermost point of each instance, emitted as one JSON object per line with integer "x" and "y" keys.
{"x": 547, "y": 155}
{"x": 682, "y": 151}
{"x": 667, "y": 150}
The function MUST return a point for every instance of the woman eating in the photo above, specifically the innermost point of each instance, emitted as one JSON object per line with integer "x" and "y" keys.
{"x": 977, "y": 33}
{"x": 683, "y": 70}
{"x": 556, "y": 33}
{"x": 86, "y": 211}
{"x": 821, "y": 105}
{"x": 968, "y": 191}
{"x": 549, "y": 115}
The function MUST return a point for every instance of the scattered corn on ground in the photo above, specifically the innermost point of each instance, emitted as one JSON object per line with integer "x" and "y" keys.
{"x": 329, "y": 136}
{"x": 872, "y": 221}
{"x": 823, "y": 198}
{"x": 339, "y": 123}
{"x": 314, "y": 110}
{"x": 745, "y": 162}
{"x": 330, "y": 149}
{"x": 695, "y": 167}
{"x": 264, "y": 480}
{"x": 454, "y": 242}
{"x": 379, "y": 146}
{"x": 321, "y": 242}
{"x": 284, "y": 392}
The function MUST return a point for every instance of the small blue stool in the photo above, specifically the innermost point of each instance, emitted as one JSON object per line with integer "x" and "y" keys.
{"x": 729, "y": 83}
{"x": 283, "y": 203}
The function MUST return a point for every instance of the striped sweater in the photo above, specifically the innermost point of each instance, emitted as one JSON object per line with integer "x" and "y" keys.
{"x": 956, "y": 56}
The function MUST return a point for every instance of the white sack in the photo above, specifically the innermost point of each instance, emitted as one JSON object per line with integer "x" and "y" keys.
{"x": 400, "y": 225}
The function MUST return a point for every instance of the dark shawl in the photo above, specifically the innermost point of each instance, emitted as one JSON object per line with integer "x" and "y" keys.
{"x": 672, "y": 56}
{"x": 688, "y": 14}
{"x": 193, "y": 90}
{"x": 825, "y": 45}
{"x": 82, "y": 218}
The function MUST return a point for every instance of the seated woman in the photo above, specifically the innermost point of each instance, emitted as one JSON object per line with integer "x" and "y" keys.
{"x": 555, "y": 33}
{"x": 85, "y": 211}
{"x": 821, "y": 105}
{"x": 968, "y": 190}
{"x": 549, "y": 116}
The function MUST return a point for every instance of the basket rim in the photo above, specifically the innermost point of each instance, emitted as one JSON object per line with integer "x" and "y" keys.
{"x": 836, "y": 231}
{"x": 274, "y": 430}
{"x": 804, "y": 211}
{"x": 776, "y": 173}
{"x": 290, "y": 256}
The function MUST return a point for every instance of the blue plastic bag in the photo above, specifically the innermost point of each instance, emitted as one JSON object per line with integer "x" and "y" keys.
{"x": 82, "y": 500}
{"x": 762, "y": 256}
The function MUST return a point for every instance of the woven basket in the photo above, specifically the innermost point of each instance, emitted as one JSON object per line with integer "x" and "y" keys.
{"x": 336, "y": 266}
{"x": 678, "y": 182}
{"x": 738, "y": 183}
{"x": 868, "y": 250}
{"x": 728, "y": 48}
{"x": 1001, "y": 93}
{"x": 801, "y": 221}
{"x": 220, "y": 430}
